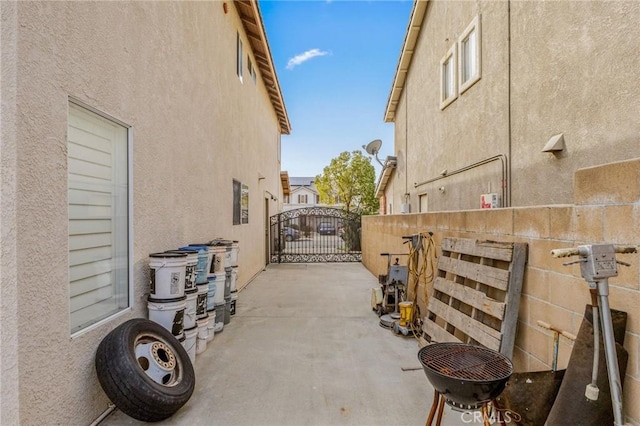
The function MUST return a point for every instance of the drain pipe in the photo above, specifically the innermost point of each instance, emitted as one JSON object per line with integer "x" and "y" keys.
{"x": 102, "y": 416}
{"x": 503, "y": 161}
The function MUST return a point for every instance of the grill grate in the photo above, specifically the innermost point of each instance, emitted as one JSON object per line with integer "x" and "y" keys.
{"x": 464, "y": 361}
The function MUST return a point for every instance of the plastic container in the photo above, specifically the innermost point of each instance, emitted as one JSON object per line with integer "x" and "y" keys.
{"x": 201, "y": 308}
{"x": 235, "y": 248}
{"x": 191, "y": 268}
{"x": 234, "y": 300}
{"x": 191, "y": 309}
{"x": 211, "y": 327}
{"x": 219, "y": 260}
{"x": 219, "y": 281}
{"x": 227, "y": 282}
{"x": 211, "y": 292}
{"x": 220, "y": 317}
{"x": 201, "y": 341}
{"x": 203, "y": 259}
{"x": 167, "y": 275}
{"x": 190, "y": 334}
{"x": 210, "y": 260}
{"x": 227, "y": 310}
{"x": 234, "y": 278}
{"x": 169, "y": 314}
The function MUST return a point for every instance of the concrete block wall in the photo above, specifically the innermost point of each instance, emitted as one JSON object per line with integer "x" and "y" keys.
{"x": 606, "y": 209}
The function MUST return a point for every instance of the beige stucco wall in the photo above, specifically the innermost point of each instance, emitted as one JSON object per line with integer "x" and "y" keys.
{"x": 551, "y": 292}
{"x": 168, "y": 69}
{"x": 569, "y": 69}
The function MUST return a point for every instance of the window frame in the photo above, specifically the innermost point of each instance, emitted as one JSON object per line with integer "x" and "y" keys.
{"x": 130, "y": 291}
{"x": 306, "y": 198}
{"x": 252, "y": 69}
{"x": 237, "y": 203}
{"x": 452, "y": 58}
{"x": 239, "y": 57}
{"x": 473, "y": 27}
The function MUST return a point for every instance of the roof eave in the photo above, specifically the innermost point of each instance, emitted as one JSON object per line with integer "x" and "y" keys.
{"x": 253, "y": 25}
{"x": 406, "y": 54}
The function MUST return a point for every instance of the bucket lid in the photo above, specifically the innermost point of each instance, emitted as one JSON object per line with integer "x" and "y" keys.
{"x": 177, "y": 299}
{"x": 203, "y": 245}
{"x": 191, "y": 330}
{"x": 191, "y": 291}
{"x": 168, "y": 254}
{"x": 183, "y": 250}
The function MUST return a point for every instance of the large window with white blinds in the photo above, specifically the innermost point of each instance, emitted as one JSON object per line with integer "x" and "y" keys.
{"x": 98, "y": 197}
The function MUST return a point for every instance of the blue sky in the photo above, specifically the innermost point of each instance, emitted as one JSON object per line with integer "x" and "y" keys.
{"x": 335, "y": 62}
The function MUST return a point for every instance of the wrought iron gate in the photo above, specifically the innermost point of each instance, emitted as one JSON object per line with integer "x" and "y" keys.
{"x": 315, "y": 234}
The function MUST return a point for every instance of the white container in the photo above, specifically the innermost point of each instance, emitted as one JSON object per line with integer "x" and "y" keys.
{"x": 189, "y": 343}
{"x": 220, "y": 253}
{"x": 169, "y": 314}
{"x": 235, "y": 247}
{"x": 203, "y": 331}
{"x": 211, "y": 292}
{"x": 220, "y": 278}
{"x": 211, "y": 327}
{"x": 201, "y": 300}
{"x": 220, "y": 316}
{"x": 167, "y": 275}
{"x": 190, "y": 310}
{"x": 234, "y": 278}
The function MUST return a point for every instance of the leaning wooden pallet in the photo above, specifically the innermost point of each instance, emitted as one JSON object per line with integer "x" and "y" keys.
{"x": 476, "y": 294}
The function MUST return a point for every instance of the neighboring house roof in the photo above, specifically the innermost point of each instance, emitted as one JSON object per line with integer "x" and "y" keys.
{"x": 254, "y": 28}
{"x": 410, "y": 39}
{"x": 302, "y": 181}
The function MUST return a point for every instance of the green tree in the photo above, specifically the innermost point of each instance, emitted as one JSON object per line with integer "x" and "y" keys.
{"x": 349, "y": 180}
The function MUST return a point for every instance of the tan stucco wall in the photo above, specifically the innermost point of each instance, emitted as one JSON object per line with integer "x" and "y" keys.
{"x": 573, "y": 65}
{"x": 551, "y": 292}
{"x": 168, "y": 69}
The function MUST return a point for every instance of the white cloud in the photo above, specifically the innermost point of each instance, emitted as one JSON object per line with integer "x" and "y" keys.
{"x": 298, "y": 59}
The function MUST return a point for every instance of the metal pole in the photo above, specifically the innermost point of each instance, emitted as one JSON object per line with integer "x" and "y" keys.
{"x": 610, "y": 352}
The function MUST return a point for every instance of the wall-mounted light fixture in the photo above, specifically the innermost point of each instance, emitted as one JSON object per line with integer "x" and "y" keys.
{"x": 441, "y": 189}
{"x": 555, "y": 143}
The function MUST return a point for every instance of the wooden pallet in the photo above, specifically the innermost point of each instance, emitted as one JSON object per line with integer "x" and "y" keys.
{"x": 476, "y": 294}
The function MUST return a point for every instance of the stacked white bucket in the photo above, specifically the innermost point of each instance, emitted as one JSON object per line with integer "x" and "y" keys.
{"x": 218, "y": 279}
{"x": 203, "y": 319}
{"x": 167, "y": 300}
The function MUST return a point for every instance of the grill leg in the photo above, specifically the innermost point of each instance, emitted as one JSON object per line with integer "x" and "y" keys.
{"x": 485, "y": 415}
{"x": 440, "y": 411}
{"x": 434, "y": 407}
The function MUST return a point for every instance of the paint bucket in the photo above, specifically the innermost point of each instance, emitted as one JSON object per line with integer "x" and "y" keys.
{"x": 166, "y": 275}
{"x": 234, "y": 299}
{"x": 203, "y": 260}
{"x": 211, "y": 292}
{"x": 224, "y": 247}
{"x": 211, "y": 327}
{"x": 189, "y": 343}
{"x": 406, "y": 311}
{"x": 219, "y": 251}
{"x": 201, "y": 341}
{"x": 201, "y": 301}
{"x": 191, "y": 308}
{"x": 220, "y": 316}
{"x": 202, "y": 277}
{"x": 234, "y": 278}
{"x": 220, "y": 278}
{"x": 169, "y": 314}
{"x": 227, "y": 282}
{"x": 235, "y": 248}
{"x": 190, "y": 269}
{"x": 227, "y": 310}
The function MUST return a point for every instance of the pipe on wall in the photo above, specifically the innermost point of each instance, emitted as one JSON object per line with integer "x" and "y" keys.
{"x": 503, "y": 163}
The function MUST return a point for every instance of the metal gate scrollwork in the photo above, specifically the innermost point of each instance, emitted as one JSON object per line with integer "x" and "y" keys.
{"x": 315, "y": 234}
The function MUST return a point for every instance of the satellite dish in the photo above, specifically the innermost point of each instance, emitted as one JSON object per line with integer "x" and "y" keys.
{"x": 373, "y": 147}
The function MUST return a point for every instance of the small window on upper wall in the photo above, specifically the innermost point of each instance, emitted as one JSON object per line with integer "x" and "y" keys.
{"x": 239, "y": 56}
{"x": 470, "y": 55}
{"x": 252, "y": 70}
{"x": 448, "y": 80}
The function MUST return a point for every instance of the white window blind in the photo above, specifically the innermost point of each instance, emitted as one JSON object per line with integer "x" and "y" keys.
{"x": 98, "y": 217}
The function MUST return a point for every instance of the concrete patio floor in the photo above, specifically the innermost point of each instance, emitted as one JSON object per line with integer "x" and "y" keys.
{"x": 305, "y": 348}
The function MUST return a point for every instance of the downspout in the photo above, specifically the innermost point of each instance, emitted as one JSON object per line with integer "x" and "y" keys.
{"x": 406, "y": 140}
{"x": 507, "y": 202}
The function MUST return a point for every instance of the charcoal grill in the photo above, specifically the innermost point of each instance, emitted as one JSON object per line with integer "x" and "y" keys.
{"x": 466, "y": 376}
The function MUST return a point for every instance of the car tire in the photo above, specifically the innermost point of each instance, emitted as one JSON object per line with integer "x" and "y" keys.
{"x": 144, "y": 370}
{"x": 288, "y": 238}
